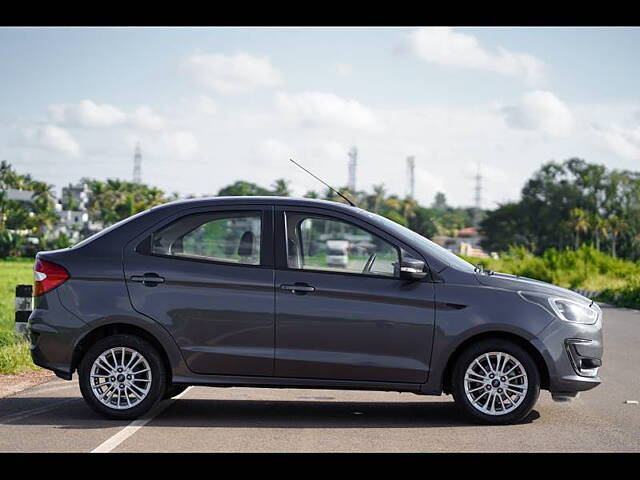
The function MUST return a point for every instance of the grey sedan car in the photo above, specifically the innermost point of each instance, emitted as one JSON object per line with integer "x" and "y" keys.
{"x": 238, "y": 292}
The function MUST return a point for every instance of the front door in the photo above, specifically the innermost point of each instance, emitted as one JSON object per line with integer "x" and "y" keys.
{"x": 342, "y": 313}
{"x": 207, "y": 277}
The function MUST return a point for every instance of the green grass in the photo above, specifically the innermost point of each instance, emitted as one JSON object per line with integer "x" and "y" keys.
{"x": 14, "y": 351}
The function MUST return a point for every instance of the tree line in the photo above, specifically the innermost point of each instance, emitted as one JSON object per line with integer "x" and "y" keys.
{"x": 563, "y": 205}
{"x": 568, "y": 204}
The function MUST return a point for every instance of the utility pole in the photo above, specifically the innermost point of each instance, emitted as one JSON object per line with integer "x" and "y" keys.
{"x": 353, "y": 162}
{"x": 137, "y": 165}
{"x": 411, "y": 176}
{"x": 477, "y": 198}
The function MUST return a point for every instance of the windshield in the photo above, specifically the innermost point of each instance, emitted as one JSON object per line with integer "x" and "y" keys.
{"x": 432, "y": 249}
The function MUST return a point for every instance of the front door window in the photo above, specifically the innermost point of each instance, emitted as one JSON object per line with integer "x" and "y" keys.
{"x": 325, "y": 244}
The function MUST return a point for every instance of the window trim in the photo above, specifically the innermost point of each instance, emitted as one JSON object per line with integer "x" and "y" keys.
{"x": 265, "y": 211}
{"x": 241, "y": 214}
{"x": 282, "y": 230}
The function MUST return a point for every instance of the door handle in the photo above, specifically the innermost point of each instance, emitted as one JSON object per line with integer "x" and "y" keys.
{"x": 298, "y": 288}
{"x": 148, "y": 279}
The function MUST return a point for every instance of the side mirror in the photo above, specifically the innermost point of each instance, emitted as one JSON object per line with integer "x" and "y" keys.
{"x": 412, "y": 269}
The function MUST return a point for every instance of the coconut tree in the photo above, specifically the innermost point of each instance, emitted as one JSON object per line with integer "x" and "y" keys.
{"x": 600, "y": 228}
{"x": 617, "y": 227}
{"x": 281, "y": 188}
{"x": 578, "y": 222}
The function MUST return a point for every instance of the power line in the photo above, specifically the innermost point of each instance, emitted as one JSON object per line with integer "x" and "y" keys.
{"x": 477, "y": 197}
{"x": 137, "y": 165}
{"x": 353, "y": 163}
{"x": 411, "y": 176}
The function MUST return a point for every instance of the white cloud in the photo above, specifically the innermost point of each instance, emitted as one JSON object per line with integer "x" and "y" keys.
{"x": 182, "y": 144}
{"x": 343, "y": 69}
{"x": 144, "y": 117}
{"x": 444, "y": 46}
{"x": 51, "y": 137}
{"x": 254, "y": 143}
{"x": 540, "y": 111}
{"x": 229, "y": 74}
{"x": 319, "y": 109}
{"x": 87, "y": 113}
{"x": 276, "y": 151}
{"x": 620, "y": 140}
{"x": 427, "y": 181}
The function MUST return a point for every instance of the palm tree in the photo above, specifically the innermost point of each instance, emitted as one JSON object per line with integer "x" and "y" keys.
{"x": 617, "y": 227}
{"x": 579, "y": 222}
{"x": 312, "y": 194}
{"x": 281, "y": 188}
{"x": 600, "y": 228}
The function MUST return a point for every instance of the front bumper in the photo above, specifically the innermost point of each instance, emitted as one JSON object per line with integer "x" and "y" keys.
{"x": 573, "y": 355}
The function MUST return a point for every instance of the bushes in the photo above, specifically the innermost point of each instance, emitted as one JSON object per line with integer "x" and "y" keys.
{"x": 626, "y": 296}
{"x": 587, "y": 268}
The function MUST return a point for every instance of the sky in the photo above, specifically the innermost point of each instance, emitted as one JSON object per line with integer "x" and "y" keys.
{"x": 210, "y": 106}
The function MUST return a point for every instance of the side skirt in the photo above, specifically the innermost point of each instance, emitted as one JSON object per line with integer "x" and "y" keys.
{"x": 283, "y": 382}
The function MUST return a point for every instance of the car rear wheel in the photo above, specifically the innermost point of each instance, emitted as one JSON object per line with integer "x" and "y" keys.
{"x": 496, "y": 382}
{"x": 122, "y": 377}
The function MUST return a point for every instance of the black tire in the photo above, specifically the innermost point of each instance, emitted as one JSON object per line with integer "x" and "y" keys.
{"x": 496, "y": 345}
{"x": 156, "y": 365}
{"x": 173, "y": 390}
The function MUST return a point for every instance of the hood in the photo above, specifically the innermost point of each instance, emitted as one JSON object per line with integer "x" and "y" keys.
{"x": 515, "y": 283}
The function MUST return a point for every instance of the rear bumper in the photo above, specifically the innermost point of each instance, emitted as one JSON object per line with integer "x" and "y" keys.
{"x": 53, "y": 333}
{"x": 573, "y": 354}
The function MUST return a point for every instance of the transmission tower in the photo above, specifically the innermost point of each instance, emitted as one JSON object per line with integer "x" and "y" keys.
{"x": 477, "y": 197}
{"x": 137, "y": 165}
{"x": 411, "y": 176}
{"x": 353, "y": 162}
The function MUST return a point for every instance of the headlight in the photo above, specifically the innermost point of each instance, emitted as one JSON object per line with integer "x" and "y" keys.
{"x": 564, "y": 308}
{"x": 572, "y": 311}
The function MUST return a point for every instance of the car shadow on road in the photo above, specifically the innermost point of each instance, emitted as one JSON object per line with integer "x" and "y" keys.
{"x": 61, "y": 412}
{"x": 314, "y": 414}
{"x": 73, "y": 413}
{"x": 205, "y": 413}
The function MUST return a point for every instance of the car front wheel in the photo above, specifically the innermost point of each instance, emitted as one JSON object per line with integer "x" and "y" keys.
{"x": 122, "y": 377}
{"x": 496, "y": 382}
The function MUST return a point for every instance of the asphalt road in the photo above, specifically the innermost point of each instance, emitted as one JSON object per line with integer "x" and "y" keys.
{"x": 53, "y": 417}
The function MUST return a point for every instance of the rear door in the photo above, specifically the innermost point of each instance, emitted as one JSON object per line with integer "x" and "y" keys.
{"x": 352, "y": 319}
{"x": 206, "y": 275}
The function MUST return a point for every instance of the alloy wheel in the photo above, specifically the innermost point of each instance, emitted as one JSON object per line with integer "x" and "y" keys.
{"x": 495, "y": 383}
{"x": 120, "y": 378}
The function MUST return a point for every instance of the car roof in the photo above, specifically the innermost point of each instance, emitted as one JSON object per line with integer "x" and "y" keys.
{"x": 256, "y": 200}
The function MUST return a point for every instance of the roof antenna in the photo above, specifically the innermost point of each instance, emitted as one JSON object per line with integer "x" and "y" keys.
{"x": 324, "y": 183}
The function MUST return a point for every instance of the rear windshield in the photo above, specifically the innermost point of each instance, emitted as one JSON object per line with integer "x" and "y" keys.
{"x": 95, "y": 236}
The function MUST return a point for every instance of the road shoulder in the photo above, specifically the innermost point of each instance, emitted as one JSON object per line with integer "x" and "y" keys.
{"x": 12, "y": 384}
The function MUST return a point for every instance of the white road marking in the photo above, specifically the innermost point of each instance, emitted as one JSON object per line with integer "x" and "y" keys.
{"x": 111, "y": 443}
{"x": 35, "y": 411}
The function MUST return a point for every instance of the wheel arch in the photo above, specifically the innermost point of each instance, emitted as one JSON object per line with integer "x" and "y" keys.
{"x": 103, "y": 331}
{"x": 517, "y": 339}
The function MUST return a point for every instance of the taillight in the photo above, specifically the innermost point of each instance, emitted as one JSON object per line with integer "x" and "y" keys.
{"x": 47, "y": 276}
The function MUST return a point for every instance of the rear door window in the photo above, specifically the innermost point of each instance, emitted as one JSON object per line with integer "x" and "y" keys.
{"x": 233, "y": 237}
